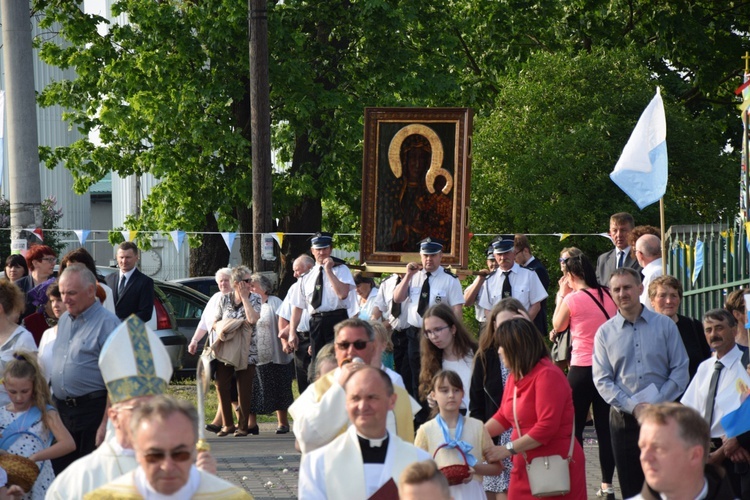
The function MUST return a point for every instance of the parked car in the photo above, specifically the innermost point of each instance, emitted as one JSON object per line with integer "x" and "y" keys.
{"x": 163, "y": 322}
{"x": 188, "y": 306}
{"x": 204, "y": 284}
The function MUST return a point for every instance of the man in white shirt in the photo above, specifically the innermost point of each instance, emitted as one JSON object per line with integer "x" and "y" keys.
{"x": 479, "y": 287}
{"x": 395, "y": 318}
{"x": 302, "y": 356}
{"x": 367, "y": 460}
{"x": 713, "y": 393}
{"x": 648, "y": 253}
{"x": 325, "y": 291}
{"x": 512, "y": 280}
{"x": 422, "y": 287}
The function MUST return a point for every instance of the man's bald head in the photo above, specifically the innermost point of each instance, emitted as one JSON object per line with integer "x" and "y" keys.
{"x": 647, "y": 249}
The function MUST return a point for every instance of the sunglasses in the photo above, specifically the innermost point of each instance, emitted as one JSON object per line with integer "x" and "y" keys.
{"x": 176, "y": 456}
{"x": 247, "y": 280}
{"x": 358, "y": 344}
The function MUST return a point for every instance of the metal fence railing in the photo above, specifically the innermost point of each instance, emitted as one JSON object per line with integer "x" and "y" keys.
{"x": 710, "y": 260}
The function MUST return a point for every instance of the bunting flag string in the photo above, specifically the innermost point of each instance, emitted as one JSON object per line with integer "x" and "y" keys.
{"x": 178, "y": 237}
{"x": 129, "y": 235}
{"x": 82, "y": 235}
{"x": 229, "y": 239}
{"x": 698, "y": 261}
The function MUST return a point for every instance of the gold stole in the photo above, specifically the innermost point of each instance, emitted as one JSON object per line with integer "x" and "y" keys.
{"x": 402, "y": 410}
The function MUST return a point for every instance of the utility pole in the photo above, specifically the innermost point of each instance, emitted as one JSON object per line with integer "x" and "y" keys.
{"x": 260, "y": 122}
{"x": 23, "y": 144}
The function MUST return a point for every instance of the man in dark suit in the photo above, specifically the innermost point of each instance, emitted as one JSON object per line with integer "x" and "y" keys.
{"x": 133, "y": 290}
{"x": 620, "y": 226}
{"x": 524, "y": 258}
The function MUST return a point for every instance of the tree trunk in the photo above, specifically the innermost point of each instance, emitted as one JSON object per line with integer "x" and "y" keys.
{"x": 260, "y": 121}
{"x": 212, "y": 255}
{"x": 245, "y": 218}
{"x": 306, "y": 217}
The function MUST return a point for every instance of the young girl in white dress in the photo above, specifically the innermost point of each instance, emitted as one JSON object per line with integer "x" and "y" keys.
{"x": 28, "y": 423}
{"x": 466, "y": 433}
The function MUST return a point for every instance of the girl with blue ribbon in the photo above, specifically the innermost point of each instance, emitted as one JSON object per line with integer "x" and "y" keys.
{"x": 28, "y": 424}
{"x": 451, "y": 437}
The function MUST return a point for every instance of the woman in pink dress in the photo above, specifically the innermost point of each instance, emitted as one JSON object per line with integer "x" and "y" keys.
{"x": 544, "y": 407}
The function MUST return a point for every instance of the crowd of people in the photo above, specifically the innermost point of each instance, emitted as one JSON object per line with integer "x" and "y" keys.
{"x": 627, "y": 357}
{"x": 396, "y": 395}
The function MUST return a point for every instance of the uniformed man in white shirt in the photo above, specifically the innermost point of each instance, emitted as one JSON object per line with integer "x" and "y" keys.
{"x": 424, "y": 286}
{"x": 325, "y": 291}
{"x": 512, "y": 280}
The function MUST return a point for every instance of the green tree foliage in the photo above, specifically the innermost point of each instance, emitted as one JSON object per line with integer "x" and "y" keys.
{"x": 543, "y": 157}
{"x": 167, "y": 95}
{"x": 556, "y": 87}
{"x": 51, "y": 215}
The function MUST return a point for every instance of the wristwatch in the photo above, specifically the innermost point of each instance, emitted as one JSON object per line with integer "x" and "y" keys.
{"x": 509, "y": 447}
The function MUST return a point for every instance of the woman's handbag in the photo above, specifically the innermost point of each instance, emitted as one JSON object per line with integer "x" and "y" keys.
{"x": 561, "y": 348}
{"x": 548, "y": 476}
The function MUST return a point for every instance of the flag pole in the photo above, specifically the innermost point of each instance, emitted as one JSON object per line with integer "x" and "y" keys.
{"x": 663, "y": 241}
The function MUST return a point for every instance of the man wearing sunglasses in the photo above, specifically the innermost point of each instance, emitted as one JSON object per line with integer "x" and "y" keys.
{"x": 319, "y": 413}
{"x": 165, "y": 431}
{"x": 135, "y": 367}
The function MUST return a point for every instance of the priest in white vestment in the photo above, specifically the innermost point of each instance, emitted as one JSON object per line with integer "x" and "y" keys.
{"x": 366, "y": 461}
{"x": 319, "y": 413}
{"x": 135, "y": 367}
{"x": 164, "y": 433}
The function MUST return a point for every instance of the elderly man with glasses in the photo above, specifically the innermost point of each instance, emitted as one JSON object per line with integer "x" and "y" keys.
{"x": 135, "y": 367}
{"x": 319, "y": 414}
{"x": 165, "y": 432}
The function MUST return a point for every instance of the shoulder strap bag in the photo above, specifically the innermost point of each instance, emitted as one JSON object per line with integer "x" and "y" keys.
{"x": 548, "y": 476}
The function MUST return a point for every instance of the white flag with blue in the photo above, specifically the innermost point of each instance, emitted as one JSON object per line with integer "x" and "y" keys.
{"x": 641, "y": 170}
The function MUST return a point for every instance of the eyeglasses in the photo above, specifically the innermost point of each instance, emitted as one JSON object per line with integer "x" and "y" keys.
{"x": 434, "y": 333}
{"x": 51, "y": 260}
{"x": 176, "y": 456}
{"x": 358, "y": 344}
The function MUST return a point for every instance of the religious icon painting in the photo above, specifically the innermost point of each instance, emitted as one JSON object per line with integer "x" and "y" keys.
{"x": 416, "y": 183}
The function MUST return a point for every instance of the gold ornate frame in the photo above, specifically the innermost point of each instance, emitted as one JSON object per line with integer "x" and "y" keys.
{"x": 416, "y": 176}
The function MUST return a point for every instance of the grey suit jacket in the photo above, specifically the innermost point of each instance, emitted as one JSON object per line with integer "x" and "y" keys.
{"x": 607, "y": 263}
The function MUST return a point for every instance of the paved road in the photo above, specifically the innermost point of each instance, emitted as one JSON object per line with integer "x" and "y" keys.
{"x": 268, "y": 465}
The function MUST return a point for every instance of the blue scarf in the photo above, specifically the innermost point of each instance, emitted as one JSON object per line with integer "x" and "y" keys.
{"x": 457, "y": 443}
{"x": 21, "y": 425}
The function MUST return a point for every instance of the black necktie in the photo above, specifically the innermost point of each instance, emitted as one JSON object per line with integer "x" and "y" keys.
{"x": 708, "y": 413}
{"x": 621, "y": 258}
{"x": 396, "y": 306}
{"x": 424, "y": 296}
{"x": 507, "y": 292}
{"x": 122, "y": 285}
{"x": 317, "y": 296}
